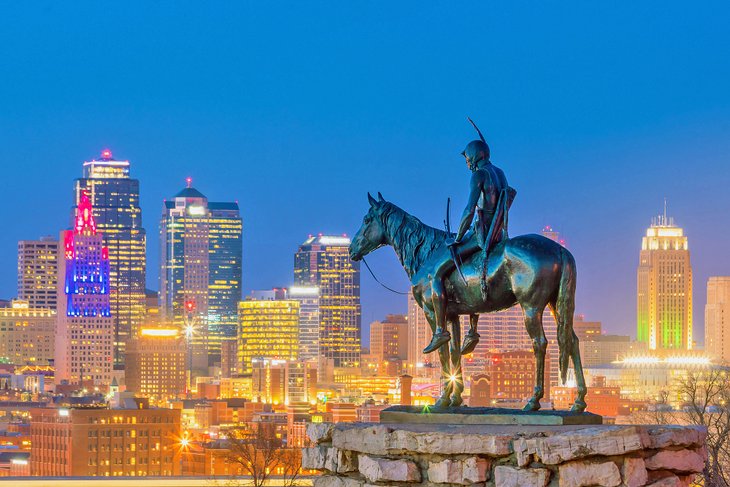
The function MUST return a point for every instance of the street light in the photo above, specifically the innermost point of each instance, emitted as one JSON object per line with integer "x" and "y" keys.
{"x": 184, "y": 444}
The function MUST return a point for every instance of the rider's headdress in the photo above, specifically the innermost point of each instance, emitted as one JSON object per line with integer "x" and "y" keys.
{"x": 476, "y": 150}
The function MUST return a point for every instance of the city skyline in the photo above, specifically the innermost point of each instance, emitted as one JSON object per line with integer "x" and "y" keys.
{"x": 573, "y": 119}
{"x": 699, "y": 299}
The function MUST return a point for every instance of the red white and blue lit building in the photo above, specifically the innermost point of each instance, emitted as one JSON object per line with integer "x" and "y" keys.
{"x": 84, "y": 331}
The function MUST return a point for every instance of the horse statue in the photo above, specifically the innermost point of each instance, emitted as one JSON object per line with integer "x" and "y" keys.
{"x": 531, "y": 270}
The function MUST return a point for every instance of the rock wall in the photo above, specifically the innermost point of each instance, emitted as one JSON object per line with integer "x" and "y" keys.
{"x": 365, "y": 454}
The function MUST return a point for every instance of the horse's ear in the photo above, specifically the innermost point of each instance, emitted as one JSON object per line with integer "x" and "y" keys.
{"x": 380, "y": 197}
{"x": 371, "y": 200}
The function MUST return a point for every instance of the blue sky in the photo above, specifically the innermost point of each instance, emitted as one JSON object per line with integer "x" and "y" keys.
{"x": 596, "y": 112}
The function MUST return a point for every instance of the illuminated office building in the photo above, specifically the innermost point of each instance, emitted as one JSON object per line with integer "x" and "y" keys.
{"x": 308, "y": 297}
{"x": 156, "y": 364}
{"x": 419, "y": 332}
{"x": 389, "y": 338}
{"x": 717, "y": 318}
{"x": 200, "y": 263}
{"x": 324, "y": 261}
{"x": 84, "y": 348}
{"x": 27, "y": 334}
{"x": 38, "y": 272}
{"x": 268, "y": 329}
{"x": 115, "y": 199}
{"x": 504, "y": 331}
{"x": 664, "y": 288}
{"x": 224, "y": 287}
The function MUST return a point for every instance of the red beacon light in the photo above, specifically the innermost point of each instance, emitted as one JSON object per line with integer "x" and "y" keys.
{"x": 189, "y": 306}
{"x": 106, "y": 154}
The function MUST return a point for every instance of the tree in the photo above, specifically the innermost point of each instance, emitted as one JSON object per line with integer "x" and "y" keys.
{"x": 705, "y": 398}
{"x": 260, "y": 455}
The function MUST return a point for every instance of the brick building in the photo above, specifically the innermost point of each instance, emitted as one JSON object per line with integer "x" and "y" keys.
{"x": 105, "y": 442}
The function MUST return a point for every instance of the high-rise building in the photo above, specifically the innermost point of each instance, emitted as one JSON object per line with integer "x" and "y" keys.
{"x": 586, "y": 330}
{"x": 101, "y": 442}
{"x": 115, "y": 200}
{"x": 156, "y": 364}
{"x": 664, "y": 288}
{"x": 268, "y": 329}
{"x": 224, "y": 285}
{"x": 38, "y": 272}
{"x": 84, "y": 348}
{"x": 504, "y": 331}
{"x": 389, "y": 338}
{"x": 419, "y": 335}
{"x": 717, "y": 318}
{"x": 324, "y": 261}
{"x": 308, "y": 297}
{"x": 27, "y": 334}
{"x": 200, "y": 273}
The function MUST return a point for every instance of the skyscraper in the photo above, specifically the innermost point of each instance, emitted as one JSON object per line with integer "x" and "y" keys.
{"x": 717, "y": 318}
{"x": 38, "y": 272}
{"x": 308, "y": 297}
{"x": 269, "y": 329}
{"x": 664, "y": 288}
{"x": 419, "y": 334}
{"x": 115, "y": 200}
{"x": 200, "y": 267}
{"x": 324, "y": 261}
{"x": 84, "y": 334}
{"x": 224, "y": 284}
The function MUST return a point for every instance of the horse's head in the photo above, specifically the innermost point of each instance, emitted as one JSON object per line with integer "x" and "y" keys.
{"x": 371, "y": 234}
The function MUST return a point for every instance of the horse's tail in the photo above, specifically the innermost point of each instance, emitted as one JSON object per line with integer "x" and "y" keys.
{"x": 565, "y": 309}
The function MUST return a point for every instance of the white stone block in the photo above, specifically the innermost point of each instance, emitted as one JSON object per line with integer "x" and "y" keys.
{"x": 520, "y": 477}
{"x": 584, "y": 474}
{"x": 384, "y": 470}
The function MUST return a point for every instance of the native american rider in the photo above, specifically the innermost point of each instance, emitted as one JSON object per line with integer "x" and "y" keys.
{"x": 490, "y": 198}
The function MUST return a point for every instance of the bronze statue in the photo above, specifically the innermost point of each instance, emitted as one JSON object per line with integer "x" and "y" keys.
{"x": 530, "y": 270}
{"x": 490, "y": 198}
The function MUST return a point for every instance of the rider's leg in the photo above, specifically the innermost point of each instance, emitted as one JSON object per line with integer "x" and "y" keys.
{"x": 438, "y": 297}
{"x": 472, "y": 337}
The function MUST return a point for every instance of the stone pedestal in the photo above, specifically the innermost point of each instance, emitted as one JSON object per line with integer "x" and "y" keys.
{"x": 467, "y": 415}
{"x": 368, "y": 454}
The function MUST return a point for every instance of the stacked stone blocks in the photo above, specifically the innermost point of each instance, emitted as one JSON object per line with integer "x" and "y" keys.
{"x": 440, "y": 455}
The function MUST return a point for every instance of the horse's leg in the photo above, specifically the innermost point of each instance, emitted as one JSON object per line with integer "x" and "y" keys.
{"x": 533, "y": 323}
{"x": 455, "y": 376}
{"x": 444, "y": 400}
{"x": 580, "y": 404}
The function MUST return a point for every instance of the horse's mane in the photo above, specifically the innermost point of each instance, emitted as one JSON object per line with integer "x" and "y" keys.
{"x": 413, "y": 240}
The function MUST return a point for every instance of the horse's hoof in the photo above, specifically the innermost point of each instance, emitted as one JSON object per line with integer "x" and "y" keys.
{"x": 578, "y": 407}
{"x": 532, "y": 406}
{"x": 437, "y": 340}
{"x": 470, "y": 343}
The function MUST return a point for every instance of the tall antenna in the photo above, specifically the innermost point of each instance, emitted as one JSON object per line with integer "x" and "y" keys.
{"x": 665, "y": 211}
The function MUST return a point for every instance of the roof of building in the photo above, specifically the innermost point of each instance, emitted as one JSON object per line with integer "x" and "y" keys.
{"x": 189, "y": 193}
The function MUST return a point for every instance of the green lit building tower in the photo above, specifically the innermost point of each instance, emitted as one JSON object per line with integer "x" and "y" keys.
{"x": 664, "y": 288}
{"x": 200, "y": 271}
{"x": 114, "y": 197}
{"x": 324, "y": 261}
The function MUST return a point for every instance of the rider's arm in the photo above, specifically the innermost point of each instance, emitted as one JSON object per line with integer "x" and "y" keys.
{"x": 475, "y": 189}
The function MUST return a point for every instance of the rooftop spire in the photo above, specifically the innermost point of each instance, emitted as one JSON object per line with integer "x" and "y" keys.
{"x": 85, "y": 223}
{"x": 189, "y": 182}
